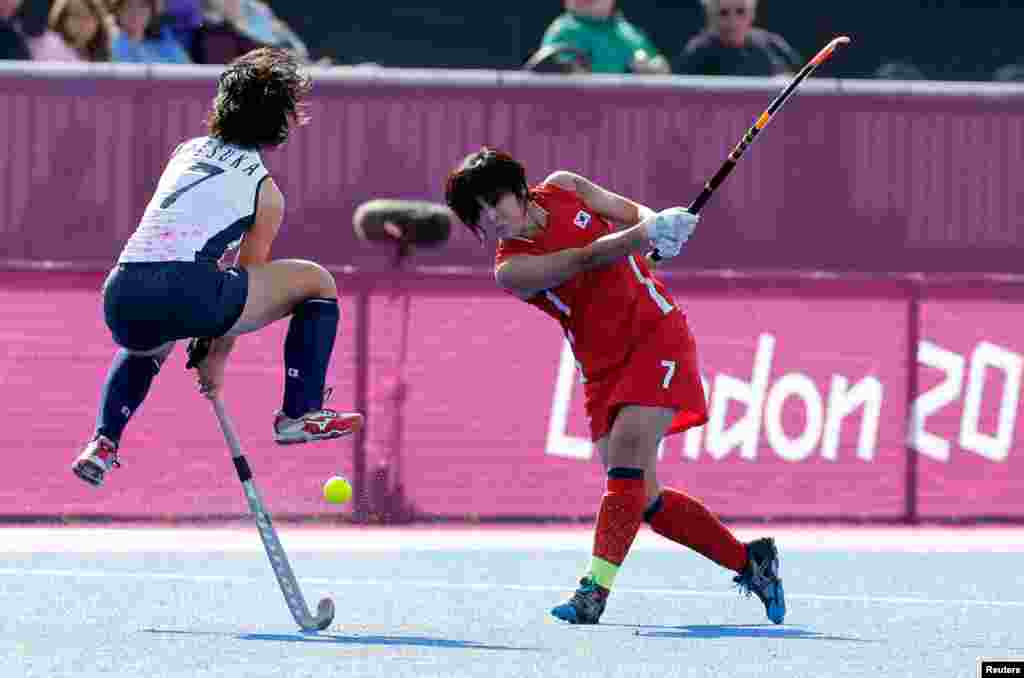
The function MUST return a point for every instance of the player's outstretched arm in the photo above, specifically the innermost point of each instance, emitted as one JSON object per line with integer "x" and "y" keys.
{"x": 526, "y": 275}
{"x": 607, "y": 204}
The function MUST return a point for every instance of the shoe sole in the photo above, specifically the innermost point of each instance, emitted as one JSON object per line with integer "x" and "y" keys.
{"x": 570, "y": 615}
{"x": 87, "y": 471}
{"x": 777, "y": 608}
{"x": 309, "y": 438}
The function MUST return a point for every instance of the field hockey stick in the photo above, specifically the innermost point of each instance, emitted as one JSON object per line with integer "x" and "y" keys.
{"x": 272, "y": 545}
{"x": 762, "y": 122}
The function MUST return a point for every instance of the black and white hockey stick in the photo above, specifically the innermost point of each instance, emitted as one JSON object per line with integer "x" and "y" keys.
{"x": 762, "y": 120}
{"x": 275, "y": 552}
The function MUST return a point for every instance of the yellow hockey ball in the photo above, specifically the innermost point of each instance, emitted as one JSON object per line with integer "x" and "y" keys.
{"x": 337, "y": 490}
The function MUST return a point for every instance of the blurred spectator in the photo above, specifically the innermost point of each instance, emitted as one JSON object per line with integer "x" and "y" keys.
{"x": 233, "y": 27}
{"x": 31, "y": 18}
{"x": 12, "y": 42}
{"x": 183, "y": 17}
{"x": 899, "y": 70}
{"x": 610, "y": 43}
{"x": 44, "y": 43}
{"x": 84, "y": 29}
{"x": 1009, "y": 73}
{"x": 730, "y": 45}
{"x": 139, "y": 38}
{"x": 558, "y": 58}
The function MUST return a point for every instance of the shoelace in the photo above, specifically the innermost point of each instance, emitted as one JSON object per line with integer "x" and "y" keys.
{"x": 111, "y": 456}
{"x": 754, "y": 579}
{"x": 586, "y": 593}
{"x": 328, "y": 392}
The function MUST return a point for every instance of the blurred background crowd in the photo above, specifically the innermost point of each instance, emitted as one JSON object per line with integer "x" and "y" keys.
{"x": 140, "y": 31}
{"x": 927, "y": 40}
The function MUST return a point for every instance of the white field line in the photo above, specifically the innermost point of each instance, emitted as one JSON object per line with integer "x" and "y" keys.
{"x": 358, "y": 539}
{"x": 461, "y": 586}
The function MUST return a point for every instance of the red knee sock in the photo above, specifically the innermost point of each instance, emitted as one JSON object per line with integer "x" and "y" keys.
{"x": 622, "y": 512}
{"x": 681, "y": 518}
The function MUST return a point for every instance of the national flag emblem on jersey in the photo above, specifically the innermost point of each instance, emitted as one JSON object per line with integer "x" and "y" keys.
{"x": 582, "y": 219}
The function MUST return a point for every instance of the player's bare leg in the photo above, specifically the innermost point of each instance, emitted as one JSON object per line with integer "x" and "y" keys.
{"x": 277, "y": 287}
{"x": 632, "y": 447}
{"x": 128, "y": 381}
{"x": 307, "y": 292}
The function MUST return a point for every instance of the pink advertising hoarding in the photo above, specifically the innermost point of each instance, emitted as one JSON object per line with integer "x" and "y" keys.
{"x": 56, "y": 351}
{"x": 807, "y": 384}
{"x": 807, "y": 399}
{"x": 967, "y": 427}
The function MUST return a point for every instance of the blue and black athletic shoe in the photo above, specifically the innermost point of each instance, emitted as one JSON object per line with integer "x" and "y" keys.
{"x": 585, "y": 606}
{"x": 761, "y": 577}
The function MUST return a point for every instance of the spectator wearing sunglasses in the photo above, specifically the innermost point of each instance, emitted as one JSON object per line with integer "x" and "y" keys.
{"x": 594, "y": 36}
{"x": 730, "y": 45}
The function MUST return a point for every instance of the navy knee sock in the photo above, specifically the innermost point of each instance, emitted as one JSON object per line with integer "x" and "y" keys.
{"x": 127, "y": 384}
{"x": 307, "y": 352}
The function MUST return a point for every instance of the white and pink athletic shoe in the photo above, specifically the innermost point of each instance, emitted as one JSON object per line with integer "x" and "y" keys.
{"x": 98, "y": 457}
{"x": 316, "y": 425}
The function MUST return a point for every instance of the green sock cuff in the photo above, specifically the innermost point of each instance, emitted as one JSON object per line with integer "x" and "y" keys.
{"x": 602, "y": 572}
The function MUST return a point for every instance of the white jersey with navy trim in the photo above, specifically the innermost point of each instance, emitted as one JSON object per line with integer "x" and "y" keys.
{"x": 203, "y": 205}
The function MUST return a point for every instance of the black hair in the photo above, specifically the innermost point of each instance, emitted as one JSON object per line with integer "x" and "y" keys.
{"x": 486, "y": 174}
{"x": 258, "y": 98}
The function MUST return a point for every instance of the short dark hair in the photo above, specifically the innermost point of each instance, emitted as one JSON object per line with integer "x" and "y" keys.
{"x": 486, "y": 174}
{"x": 258, "y": 98}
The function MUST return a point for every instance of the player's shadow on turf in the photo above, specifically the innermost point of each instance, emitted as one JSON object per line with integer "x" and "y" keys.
{"x": 339, "y": 639}
{"x": 711, "y": 631}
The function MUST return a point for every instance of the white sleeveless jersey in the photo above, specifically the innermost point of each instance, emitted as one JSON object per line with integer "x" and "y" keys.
{"x": 203, "y": 205}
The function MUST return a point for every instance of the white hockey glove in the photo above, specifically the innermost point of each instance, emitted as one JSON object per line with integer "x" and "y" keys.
{"x": 669, "y": 229}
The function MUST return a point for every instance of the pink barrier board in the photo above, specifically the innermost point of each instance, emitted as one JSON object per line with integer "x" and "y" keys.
{"x": 806, "y": 407}
{"x": 174, "y": 461}
{"x": 968, "y": 426}
{"x": 481, "y": 414}
{"x": 844, "y": 181}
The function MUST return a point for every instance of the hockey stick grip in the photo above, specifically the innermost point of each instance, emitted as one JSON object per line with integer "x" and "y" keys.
{"x": 228, "y": 429}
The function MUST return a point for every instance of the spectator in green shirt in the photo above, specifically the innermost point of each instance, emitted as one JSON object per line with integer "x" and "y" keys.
{"x": 610, "y": 43}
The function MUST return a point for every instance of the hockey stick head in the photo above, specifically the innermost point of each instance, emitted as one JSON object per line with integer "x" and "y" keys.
{"x": 828, "y": 49}
{"x": 324, "y": 614}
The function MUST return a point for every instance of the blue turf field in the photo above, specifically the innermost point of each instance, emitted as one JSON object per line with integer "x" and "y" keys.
{"x": 163, "y": 603}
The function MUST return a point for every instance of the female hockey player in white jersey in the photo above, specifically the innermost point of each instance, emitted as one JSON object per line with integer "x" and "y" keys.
{"x": 167, "y": 284}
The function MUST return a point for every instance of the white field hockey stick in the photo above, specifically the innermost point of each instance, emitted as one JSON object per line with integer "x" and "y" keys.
{"x": 275, "y": 552}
